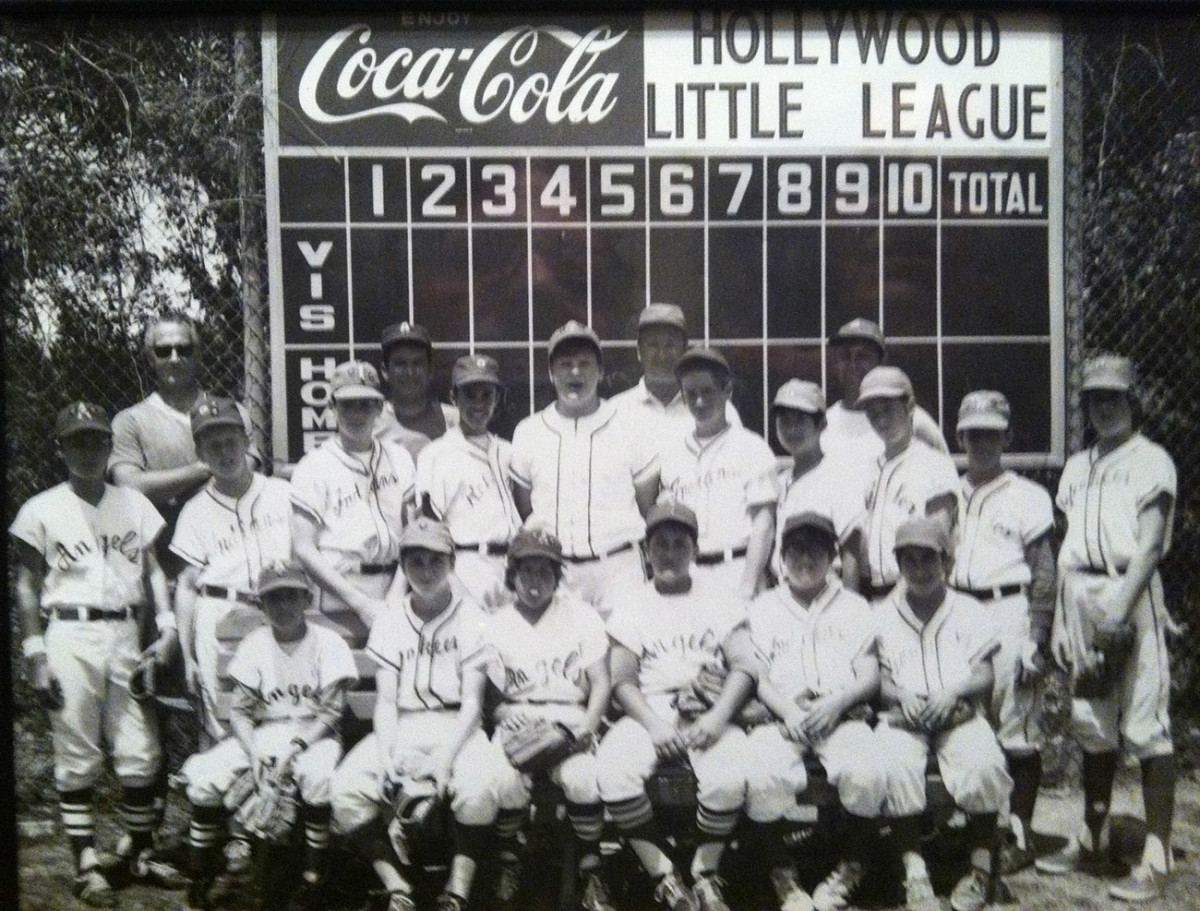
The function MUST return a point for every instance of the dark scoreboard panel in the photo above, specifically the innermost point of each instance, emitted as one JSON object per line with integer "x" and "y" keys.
{"x": 766, "y": 253}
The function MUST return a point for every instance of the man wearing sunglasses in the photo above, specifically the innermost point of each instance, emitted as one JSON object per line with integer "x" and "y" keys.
{"x": 153, "y": 451}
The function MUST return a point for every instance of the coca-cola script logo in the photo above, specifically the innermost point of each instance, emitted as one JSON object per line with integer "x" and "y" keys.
{"x": 508, "y": 76}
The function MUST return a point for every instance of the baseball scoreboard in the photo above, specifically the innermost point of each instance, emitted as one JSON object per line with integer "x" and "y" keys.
{"x": 774, "y": 173}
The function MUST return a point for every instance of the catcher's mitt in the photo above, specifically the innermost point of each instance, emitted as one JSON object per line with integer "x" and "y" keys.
{"x": 421, "y": 825}
{"x": 270, "y": 812}
{"x": 673, "y": 784}
{"x": 963, "y": 712}
{"x": 142, "y": 684}
{"x": 1111, "y": 647}
{"x": 539, "y": 745}
{"x": 701, "y": 693}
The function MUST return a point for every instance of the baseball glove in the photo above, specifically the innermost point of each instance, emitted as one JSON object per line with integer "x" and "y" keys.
{"x": 1111, "y": 647}
{"x": 270, "y": 812}
{"x": 963, "y": 712}
{"x": 142, "y": 685}
{"x": 701, "y": 693}
{"x": 421, "y": 826}
{"x": 239, "y": 791}
{"x": 538, "y": 745}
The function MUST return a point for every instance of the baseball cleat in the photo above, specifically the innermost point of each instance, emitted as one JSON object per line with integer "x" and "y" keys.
{"x": 970, "y": 892}
{"x": 672, "y": 894}
{"x": 788, "y": 891}
{"x": 92, "y": 888}
{"x": 1143, "y": 884}
{"x": 707, "y": 889}
{"x": 833, "y": 893}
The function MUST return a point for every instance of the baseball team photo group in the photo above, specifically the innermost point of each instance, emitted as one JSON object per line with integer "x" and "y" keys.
{"x": 666, "y": 467}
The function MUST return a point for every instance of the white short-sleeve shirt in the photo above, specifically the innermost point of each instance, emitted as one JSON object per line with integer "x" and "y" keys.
{"x": 95, "y": 555}
{"x": 928, "y": 658}
{"x": 720, "y": 479}
{"x": 288, "y": 680}
{"x": 581, "y": 474}
{"x": 1103, "y": 496}
{"x": 468, "y": 487}
{"x": 997, "y": 521}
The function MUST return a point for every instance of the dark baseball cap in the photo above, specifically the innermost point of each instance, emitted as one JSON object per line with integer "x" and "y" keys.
{"x": 922, "y": 531}
{"x": 700, "y": 357}
{"x": 534, "y": 541}
{"x": 81, "y": 416}
{"x": 284, "y": 574}
{"x": 214, "y": 411}
{"x": 404, "y": 333}
{"x": 475, "y": 368}
{"x": 810, "y": 521}
{"x": 671, "y": 511}
{"x": 427, "y": 534}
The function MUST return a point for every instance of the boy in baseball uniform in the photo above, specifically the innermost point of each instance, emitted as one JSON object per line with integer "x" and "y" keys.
{"x": 911, "y": 479}
{"x": 936, "y": 647}
{"x": 1005, "y": 560}
{"x": 464, "y": 479}
{"x": 815, "y": 640}
{"x": 237, "y": 524}
{"x": 660, "y": 638}
{"x": 548, "y": 658}
{"x": 85, "y": 561}
{"x": 584, "y": 472}
{"x": 726, "y": 476}
{"x": 351, "y": 497}
{"x": 813, "y": 482}
{"x": 427, "y": 724}
{"x": 1119, "y": 500}
{"x": 290, "y": 680}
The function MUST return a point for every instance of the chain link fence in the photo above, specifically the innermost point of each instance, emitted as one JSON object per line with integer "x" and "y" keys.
{"x": 72, "y": 329}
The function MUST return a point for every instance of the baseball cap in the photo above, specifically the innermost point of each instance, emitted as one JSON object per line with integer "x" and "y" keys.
{"x": 475, "y": 368}
{"x": 859, "y": 330}
{"x": 809, "y": 520}
{"x": 1107, "y": 371}
{"x": 534, "y": 541}
{"x": 663, "y": 315}
{"x": 701, "y": 357}
{"x": 214, "y": 411}
{"x": 427, "y": 534}
{"x": 884, "y": 382}
{"x": 800, "y": 395}
{"x": 81, "y": 416}
{"x": 922, "y": 532}
{"x": 984, "y": 409}
{"x": 570, "y": 330}
{"x": 283, "y": 574}
{"x": 404, "y": 333}
{"x": 671, "y": 511}
{"x": 355, "y": 380}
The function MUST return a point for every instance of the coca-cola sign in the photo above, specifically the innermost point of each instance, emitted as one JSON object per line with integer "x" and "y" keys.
{"x": 447, "y": 79}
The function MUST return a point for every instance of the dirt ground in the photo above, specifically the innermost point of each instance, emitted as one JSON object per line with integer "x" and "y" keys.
{"x": 45, "y": 881}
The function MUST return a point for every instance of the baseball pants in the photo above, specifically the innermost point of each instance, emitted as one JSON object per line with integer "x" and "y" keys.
{"x": 576, "y": 775}
{"x": 777, "y": 774}
{"x": 598, "y": 581}
{"x": 93, "y": 661}
{"x": 481, "y": 575}
{"x": 209, "y": 614}
{"x": 1016, "y": 709}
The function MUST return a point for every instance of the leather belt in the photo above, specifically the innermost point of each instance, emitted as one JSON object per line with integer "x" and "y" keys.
{"x": 376, "y": 569}
{"x": 83, "y": 612}
{"x": 488, "y": 549}
{"x": 873, "y": 592}
{"x": 620, "y": 549}
{"x": 228, "y": 594}
{"x": 995, "y": 593}
{"x": 722, "y": 557}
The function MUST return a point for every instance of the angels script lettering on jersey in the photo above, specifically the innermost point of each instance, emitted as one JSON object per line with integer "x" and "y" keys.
{"x": 565, "y": 667}
{"x": 706, "y": 642}
{"x": 293, "y": 693}
{"x": 126, "y": 545}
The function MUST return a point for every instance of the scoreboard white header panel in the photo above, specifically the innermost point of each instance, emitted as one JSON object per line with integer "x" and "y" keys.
{"x": 774, "y": 173}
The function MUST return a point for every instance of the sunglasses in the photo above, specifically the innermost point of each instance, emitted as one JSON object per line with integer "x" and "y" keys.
{"x": 162, "y": 352}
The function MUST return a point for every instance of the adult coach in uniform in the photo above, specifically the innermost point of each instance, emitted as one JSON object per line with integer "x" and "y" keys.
{"x": 351, "y": 497}
{"x": 656, "y": 402}
{"x": 412, "y": 416}
{"x": 1005, "y": 560}
{"x": 1119, "y": 500}
{"x": 584, "y": 472}
{"x": 912, "y": 479}
{"x": 85, "y": 559}
{"x": 153, "y": 451}
{"x": 725, "y": 475}
{"x": 464, "y": 479}
{"x": 858, "y": 347}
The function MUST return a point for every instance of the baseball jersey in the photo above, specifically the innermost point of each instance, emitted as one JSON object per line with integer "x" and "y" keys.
{"x": 581, "y": 473}
{"x": 356, "y": 499}
{"x": 811, "y": 650}
{"x": 428, "y": 655}
{"x": 662, "y": 422}
{"x": 388, "y": 427}
{"x": 673, "y": 636}
{"x": 288, "y": 680}
{"x": 231, "y": 539}
{"x": 154, "y": 436}
{"x": 94, "y": 554}
{"x": 903, "y": 487}
{"x": 1102, "y": 497}
{"x": 997, "y": 521}
{"x": 546, "y": 661}
{"x": 468, "y": 487}
{"x": 931, "y": 657}
{"x": 826, "y": 489}
{"x": 720, "y": 478}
